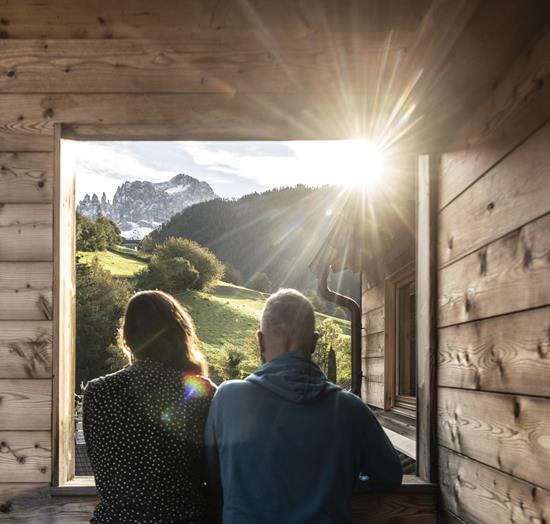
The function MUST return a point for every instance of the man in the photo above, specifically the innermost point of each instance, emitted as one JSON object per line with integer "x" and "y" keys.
{"x": 285, "y": 445}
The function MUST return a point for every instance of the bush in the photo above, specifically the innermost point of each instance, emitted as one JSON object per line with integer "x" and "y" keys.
{"x": 96, "y": 235}
{"x": 100, "y": 304}
{"x": 232, "y": 274}
{"x": 260, "y": 282}
{"x": 209, "y": 268}
{"x": 173, "y": 276}
{"x": 333, "y": 353}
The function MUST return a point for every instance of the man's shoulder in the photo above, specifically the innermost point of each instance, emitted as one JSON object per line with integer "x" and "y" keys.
{"x": 232, "y": 387}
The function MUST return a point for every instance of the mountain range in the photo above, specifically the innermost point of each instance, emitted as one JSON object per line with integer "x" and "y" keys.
{"x": 139, "y": 206}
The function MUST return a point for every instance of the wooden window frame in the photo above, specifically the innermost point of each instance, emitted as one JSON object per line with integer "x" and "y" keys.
{"x": 403, "y": 405}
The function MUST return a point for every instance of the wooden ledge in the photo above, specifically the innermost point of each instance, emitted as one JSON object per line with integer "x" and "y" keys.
{"x": 77, "y": 487}
{"x": 410, "y": 484}
{"x": 85, "y": 486}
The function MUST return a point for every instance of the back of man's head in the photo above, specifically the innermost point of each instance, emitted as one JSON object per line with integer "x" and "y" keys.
{"x": 287, "y": 324}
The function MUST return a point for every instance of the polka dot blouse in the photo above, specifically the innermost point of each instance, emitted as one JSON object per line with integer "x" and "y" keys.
{"x": 144, "y": 434}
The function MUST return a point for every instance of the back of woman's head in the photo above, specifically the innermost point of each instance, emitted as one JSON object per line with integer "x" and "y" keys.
{"x": 157, "y": 326}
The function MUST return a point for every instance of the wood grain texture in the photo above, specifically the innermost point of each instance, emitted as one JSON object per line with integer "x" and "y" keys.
{"x": 25, "y": 404}
{"x": 374, "y": 369}
{"x": 64, "y": 325}
{"x": 375, "y": 321}
{"x": 509, "y": 433}
{"x": 26, "y": 232}
{"x": 398, "y": 508}
{"x": 25, "y": 290}
{"x": 516, "y": 106}
{"x": 27, "y": 121}
{"x": 196, "y": 65}
{"x": 272, "y": 21}
{"x": 26, "y": 502}
{"x": 513, "y": 193}
{"x": 374, "y": 393}
{"x": 426, "y": 315}
{"x": 510, "y": 354}
{"x": 482, "y": 495}
{"x": 511, "y": 274}
{"x": 26, "y": 177}
{"x": 25, "y": 349}
{"x": 374, "y": 345}
{"x": 372, "y": 298}
{"x": 25, "y": 456}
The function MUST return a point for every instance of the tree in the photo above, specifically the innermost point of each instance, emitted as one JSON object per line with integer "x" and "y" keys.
{"x": 209, "y": 268}
{"x": 331, "y": 366}
{"x": 96, "y": 235}
{"x": 100, "y": 304}
{"x": 147, "y": 245}
{"x": 232, "y": 274}
{"x": 172, "y": 275}
{"x": 260, "y": 282}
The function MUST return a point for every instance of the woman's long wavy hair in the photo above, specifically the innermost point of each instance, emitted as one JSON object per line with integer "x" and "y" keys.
{"x": 157, "y": 326}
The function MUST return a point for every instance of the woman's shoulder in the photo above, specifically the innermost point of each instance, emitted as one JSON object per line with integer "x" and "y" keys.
{"x": 96, "y": 385}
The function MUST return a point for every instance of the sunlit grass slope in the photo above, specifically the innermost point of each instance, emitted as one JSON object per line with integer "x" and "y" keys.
{"x": 119, "y": 264}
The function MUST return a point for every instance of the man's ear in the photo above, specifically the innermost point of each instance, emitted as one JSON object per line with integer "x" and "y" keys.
{"x": 314, "y": 341}
{"x": 260, "y": 338}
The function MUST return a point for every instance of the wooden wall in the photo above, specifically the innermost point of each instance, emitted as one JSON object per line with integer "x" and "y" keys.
{"x": 373, "y": 345}
{"x": 494, "y": 302}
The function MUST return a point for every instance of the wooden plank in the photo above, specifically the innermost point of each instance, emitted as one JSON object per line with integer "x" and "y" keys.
{"x": 372, "y": 298}
{"x": 374, "y": 392}
{"x": 374, "y": 345}
{"x": 510, "y": 433}
{"x": 509, "y": 275}
{"x": 513, "y": 193}
{"x": 410, "y": 508}
{"x": 28, "y": 120}
{"x": 516, "y": 106}
{"x": 25, "y": 404}
{"x": 64, "y": 333}
{"x": 510, "y": 354}
{"x": 242, "y": 65}
{"x": 33, "y": 503}
{"x": 25, "y": 290}
{"x": 272, "y": 21}
{"x": 375, "y": 321}
{"x": 26, "y": 177}
{"x": 25, "y": 349}
{"x": 26, "y": 232}
{"x": 402, "y": 443}
{"x": 426, "y": 316}
{"x": 482, "y": 495}
{"x": 25, "y": 456}
{"x": 374, "y": 369}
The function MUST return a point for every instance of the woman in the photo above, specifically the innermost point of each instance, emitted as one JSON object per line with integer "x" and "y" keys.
{"x": 144, "y": 424}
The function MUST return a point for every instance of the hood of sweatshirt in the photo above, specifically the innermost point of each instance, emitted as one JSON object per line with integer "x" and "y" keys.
{"x": 294, "y": 377}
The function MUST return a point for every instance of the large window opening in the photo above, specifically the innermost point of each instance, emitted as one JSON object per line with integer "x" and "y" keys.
{"x": 256, "y": 211}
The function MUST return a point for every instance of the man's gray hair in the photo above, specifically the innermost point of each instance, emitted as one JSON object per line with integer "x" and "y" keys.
{"x": 288, "y": 315}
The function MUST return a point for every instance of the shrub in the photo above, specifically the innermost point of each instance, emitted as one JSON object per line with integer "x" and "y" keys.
{"x": 173, "y": 275}
{"x": 333, "y": 353}
{"x": 232, "y": 274}
{"x": 209, "y": 268}
{"x": 100, "y": 304}
{"x": 260, "y": 282}
{"x": 96, "y": 235}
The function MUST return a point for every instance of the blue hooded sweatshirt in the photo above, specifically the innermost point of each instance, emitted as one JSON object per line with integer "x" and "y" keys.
{"x": 286, "y": 446}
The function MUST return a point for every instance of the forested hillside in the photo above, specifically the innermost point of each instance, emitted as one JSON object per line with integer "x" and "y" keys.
{"x": 277, "y": 232}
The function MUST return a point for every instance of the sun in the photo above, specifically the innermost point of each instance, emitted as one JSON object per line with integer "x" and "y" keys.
{"x": 358, "y": 162}
{"x": 362, "y": 162}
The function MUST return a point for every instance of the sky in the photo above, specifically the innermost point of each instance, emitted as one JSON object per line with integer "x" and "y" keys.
{"x": 232, "y": 169}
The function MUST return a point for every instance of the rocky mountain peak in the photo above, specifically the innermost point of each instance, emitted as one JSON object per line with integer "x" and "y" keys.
{"x": 139, "y": 206}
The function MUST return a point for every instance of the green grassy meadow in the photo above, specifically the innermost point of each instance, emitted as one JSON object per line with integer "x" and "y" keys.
{"x": 226, "y": 316}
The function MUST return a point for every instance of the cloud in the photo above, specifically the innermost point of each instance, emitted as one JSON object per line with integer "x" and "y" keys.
{"x": 103, "y": 167}
{"x": 289, "y": 163}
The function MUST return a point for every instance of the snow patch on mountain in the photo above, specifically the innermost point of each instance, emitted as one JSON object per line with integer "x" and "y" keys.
{"x": 140, "y": 206}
